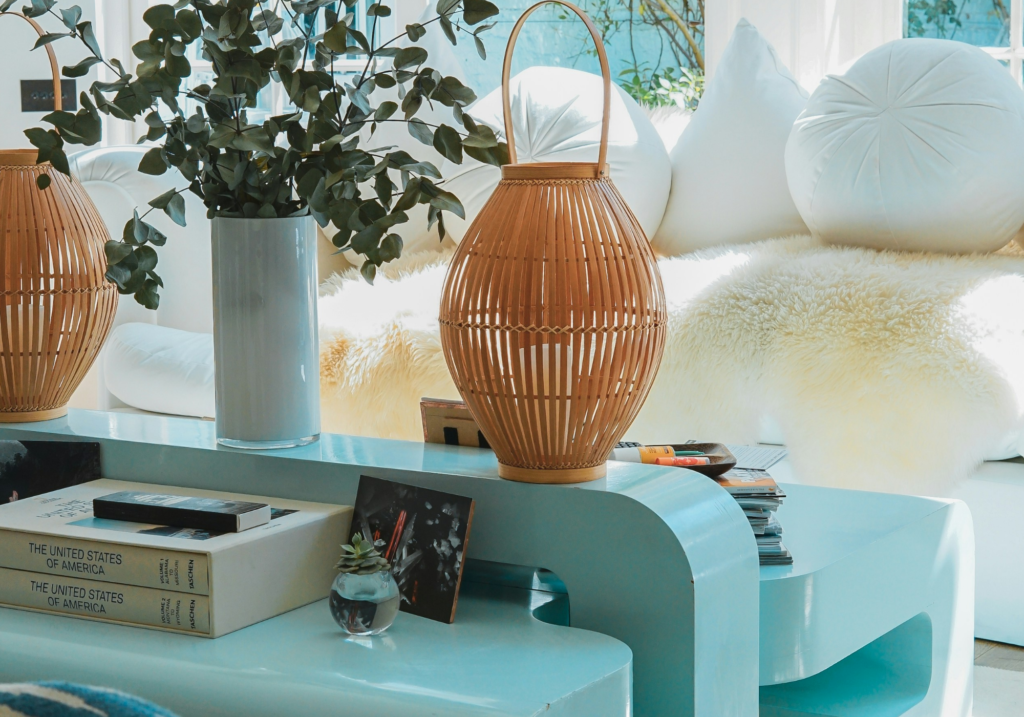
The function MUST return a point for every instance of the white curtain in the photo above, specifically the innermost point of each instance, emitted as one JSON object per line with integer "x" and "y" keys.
{"x": 119, "y": 26}
{"x": 812, "y": 37}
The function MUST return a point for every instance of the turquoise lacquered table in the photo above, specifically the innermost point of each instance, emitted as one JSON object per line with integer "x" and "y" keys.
{"x": 495, "y": 660}
{"x": 874, "y": 617}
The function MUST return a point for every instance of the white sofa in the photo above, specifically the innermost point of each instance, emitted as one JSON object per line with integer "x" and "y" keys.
{"x": 111, "y": 177}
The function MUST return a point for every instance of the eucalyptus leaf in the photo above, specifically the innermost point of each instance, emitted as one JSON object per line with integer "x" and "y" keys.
{"x": 448, "y": 202}
{"x": 419, "y": 129}
{"x": 415, "y": 31}
{"x": 82, "y": 68}
{"x": 116, "y": 251}
{"x": 89, "y": 38}
{"x": 368, "y": 271}
{"x": 49, "y": 37}
{"x": 448, "y": 143}
{"x": 478, "y": 10}
{"x": 385, "y": 110}
{"x": 448, "y": 29}
{"x": 152, "y": 162}
{"x": 337, "y": 37}
{"x": 410, "y": 57}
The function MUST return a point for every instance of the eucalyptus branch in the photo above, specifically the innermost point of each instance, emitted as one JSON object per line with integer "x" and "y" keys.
{"x": 176, "y": 192}
{"x": 273, "y": 41}
{"x": 431, "y": 21}
{"x": 74, "y": 33}
{"x": 312, "y": 159}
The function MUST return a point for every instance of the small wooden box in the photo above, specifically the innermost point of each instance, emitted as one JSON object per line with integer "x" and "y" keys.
{"x": 450, "y": 423}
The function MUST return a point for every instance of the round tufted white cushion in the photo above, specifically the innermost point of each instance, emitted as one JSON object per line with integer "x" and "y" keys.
{"x": 917, "y": 146}
{"x": 556, "y": 113}
{"x": 160, "y": 369}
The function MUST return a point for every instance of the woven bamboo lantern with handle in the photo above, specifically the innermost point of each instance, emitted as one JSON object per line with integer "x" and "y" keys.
{"x": 553, "y": 314}
{"x": 56, "y": 308}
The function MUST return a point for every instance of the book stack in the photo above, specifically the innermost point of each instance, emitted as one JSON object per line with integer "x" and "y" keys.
{"x": 759, "y": 496}
{"x": 56, "y": 556}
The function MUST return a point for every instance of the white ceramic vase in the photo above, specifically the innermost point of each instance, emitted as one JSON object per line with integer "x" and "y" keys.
{"x": 265, "y": 340}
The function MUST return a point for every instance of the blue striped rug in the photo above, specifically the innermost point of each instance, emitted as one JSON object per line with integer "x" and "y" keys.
{"x": 62, "y": 699}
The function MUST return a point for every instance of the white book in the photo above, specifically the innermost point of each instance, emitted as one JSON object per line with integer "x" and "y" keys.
{"x": 145, "y": 607}
{"x": 248, "y": 577}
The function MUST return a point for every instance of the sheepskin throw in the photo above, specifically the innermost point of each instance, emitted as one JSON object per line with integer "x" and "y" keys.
{"x": 883, "y": 370}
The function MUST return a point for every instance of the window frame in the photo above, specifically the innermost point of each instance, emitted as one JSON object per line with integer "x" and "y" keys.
{"x": 1013, "y": 55}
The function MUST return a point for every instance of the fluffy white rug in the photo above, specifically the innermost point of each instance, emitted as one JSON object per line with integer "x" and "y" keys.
{"x": 884, "y": 371}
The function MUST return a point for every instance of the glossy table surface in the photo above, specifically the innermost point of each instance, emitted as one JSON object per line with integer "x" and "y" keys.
{"x": 497, "y": 659}
{"x": 704, "y": 623}
{"x": 658, "y": 558}
{"x": 853, "y": 555}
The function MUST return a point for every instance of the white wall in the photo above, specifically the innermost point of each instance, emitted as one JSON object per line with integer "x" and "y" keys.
{"x": 20, "y": 62}
{"x": 812, "y": 37}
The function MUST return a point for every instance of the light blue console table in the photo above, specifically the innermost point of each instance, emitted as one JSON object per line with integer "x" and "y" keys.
{"x": 874, "y": 618}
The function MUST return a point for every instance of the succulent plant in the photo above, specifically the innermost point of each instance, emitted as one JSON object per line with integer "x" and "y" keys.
{"x": 362, "y": 557}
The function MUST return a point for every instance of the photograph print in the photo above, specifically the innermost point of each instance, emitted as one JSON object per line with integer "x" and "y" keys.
{"x": 424, "y": 534}
{"x": 31, "y": 468}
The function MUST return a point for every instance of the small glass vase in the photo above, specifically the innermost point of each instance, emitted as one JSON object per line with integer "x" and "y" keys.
{"x": 364, "y": 604}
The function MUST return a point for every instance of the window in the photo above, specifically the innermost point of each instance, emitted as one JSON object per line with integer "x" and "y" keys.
{"x": 655, "y": 47}
{"x": 996, "y": 26}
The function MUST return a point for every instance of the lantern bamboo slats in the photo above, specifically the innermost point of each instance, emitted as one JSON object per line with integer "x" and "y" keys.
{"x": 56, "y": 308}
{"x": 553, "y": 314}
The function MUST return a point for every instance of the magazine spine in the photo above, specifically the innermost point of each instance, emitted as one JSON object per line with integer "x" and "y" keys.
{"x": 127, "y": 604}
{"x": 135, "y": 565}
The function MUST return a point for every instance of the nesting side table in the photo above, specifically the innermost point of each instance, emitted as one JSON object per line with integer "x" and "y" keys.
{"x": 660, "y": 575}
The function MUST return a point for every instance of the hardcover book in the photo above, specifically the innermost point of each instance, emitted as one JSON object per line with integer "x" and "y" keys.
{"x": 244, "y": 577}
{"x": 210, "y": 514}
{"x": 426, "y": 533}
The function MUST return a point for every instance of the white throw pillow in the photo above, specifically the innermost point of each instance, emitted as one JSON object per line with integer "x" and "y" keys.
{"x": 159, "y": 369}
{"x": 918, "y": 146}
{"x": 556, "y": 114}
{"x": 728, "y": 167}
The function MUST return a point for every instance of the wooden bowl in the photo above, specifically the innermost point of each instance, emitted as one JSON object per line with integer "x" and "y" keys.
{"x": 722, "y": 459}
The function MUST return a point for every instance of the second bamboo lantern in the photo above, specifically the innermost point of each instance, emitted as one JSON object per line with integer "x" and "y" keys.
{"x": 553, "y": 314}
{"x": 56, "y": 308}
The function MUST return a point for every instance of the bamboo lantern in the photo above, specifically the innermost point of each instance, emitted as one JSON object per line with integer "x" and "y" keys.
{"x": 56, "y": 307}
{"x": 553, "y": 313}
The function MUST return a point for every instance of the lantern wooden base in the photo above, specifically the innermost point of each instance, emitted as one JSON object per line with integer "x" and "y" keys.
{"x": 32, "y": 416}
{"x": 568, "y": 475}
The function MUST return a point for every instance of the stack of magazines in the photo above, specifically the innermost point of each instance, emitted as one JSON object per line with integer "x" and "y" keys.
{"x": 760, "y": 497}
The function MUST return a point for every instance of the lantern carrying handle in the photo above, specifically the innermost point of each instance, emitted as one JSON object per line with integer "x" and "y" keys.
{"x": 506, "y": 70}
{"x": 57, "y": 104}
